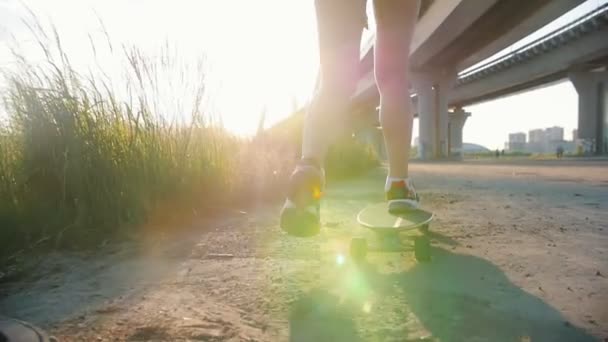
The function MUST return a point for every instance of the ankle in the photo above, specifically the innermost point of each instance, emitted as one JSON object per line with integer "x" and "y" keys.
{"x": 390, "y": 180}
{"x": 309, "y": 161}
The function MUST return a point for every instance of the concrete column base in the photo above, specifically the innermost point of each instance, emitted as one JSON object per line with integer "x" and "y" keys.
{"x": 432, "y": 90}
{"x": 592, "y": 89}
{"x": 457, "y": 119}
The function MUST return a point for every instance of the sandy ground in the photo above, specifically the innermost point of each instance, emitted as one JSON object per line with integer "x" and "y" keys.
{"x": 520, "y": 253}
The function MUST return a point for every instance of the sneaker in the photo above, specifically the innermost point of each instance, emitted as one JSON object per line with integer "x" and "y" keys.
{"x": 401, "y": 197}
{"x": 301, "y": 215}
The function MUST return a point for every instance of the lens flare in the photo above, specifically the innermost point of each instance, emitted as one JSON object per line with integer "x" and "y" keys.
{"x": 367, "y": 307}
{"x": 317, "y": 193}
{"x": 340, "y": 259}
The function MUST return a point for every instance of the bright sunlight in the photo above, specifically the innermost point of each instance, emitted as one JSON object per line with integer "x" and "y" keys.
{"x": 160, "y": 182}
{"x": 261, "y": 55}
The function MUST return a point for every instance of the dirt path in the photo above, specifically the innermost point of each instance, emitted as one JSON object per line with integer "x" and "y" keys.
{"x": 520, "y": 254}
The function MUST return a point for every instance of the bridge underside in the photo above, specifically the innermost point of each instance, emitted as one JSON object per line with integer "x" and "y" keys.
{"x": 582, "y": 48}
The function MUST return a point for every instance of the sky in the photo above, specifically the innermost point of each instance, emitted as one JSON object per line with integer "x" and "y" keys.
{"x": 260, "y": 55}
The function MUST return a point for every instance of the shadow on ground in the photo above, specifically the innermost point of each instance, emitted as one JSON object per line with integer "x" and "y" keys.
{"x": 64, "y": 286}
{"x": 456, "y": 297}
{"x": 319, "y": 316}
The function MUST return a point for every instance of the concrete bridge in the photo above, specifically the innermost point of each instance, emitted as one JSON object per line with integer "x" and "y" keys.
{"x": 453, "y": 35}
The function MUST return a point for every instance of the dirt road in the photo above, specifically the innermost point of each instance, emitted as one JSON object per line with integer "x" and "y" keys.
{"x": 520, "y": 254}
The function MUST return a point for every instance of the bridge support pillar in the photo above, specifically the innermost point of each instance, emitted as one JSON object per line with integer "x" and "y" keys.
{"x": 457, "y": 118}
{"x": 592, "y": 89}
{"x": 433, "y": 90}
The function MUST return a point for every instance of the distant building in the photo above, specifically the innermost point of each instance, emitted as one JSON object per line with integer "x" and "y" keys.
{"x": 542, "y": 141}
{"x": 553, "y": 134}
{"x": 517, "y": 141}
{"x": 537, "y": 136}
{"x": 579, "y": 144}
{"x": 518, "y": 137}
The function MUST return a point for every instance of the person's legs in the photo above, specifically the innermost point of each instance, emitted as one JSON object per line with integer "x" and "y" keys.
{"x": 395, "y": 24}
{"x": 340, "y": 24}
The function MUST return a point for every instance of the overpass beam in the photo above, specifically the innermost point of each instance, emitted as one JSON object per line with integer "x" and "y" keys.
{"x": 457, "y": 118}
{"x": 592, "y": 89}
{"x": 432, "y": 90}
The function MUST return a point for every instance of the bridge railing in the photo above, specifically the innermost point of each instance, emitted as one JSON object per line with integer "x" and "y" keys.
{"x": 589, "y": 17}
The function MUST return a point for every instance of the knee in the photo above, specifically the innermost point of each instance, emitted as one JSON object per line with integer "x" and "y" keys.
{"x": 391, "y": 79}
{"x": 341, "y": 82}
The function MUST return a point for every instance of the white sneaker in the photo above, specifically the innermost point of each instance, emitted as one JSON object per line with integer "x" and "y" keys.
{"x": 401, "y": 196}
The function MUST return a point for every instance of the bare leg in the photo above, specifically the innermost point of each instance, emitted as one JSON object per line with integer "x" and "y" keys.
{"x": 395, "y": 21}
{"x": 340, "y": 24}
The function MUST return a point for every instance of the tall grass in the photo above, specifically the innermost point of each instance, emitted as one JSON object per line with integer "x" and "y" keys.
{"x": 348, "y": 158}
{"x": 79, "y": 160}
{"x": 82, "y": 159}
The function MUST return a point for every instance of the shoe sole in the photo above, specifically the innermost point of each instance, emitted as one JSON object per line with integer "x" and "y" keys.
{"x": 299, "y": 223}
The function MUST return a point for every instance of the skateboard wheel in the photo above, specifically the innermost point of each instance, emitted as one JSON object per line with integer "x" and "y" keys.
{"x": 424, "y": 228}
{"x": 422, "y": 249}
{"x": 358, "y": 249}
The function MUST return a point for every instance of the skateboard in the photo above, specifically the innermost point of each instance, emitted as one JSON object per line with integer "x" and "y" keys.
{"x": 13, "y": 330}
{"x": 388, "y": 228}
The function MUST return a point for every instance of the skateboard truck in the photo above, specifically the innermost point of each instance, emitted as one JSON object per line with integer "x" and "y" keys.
{"x": 389, "y": 229}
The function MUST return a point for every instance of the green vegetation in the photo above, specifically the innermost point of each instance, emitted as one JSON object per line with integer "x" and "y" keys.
{"x": 77, "y": 161}
{"x": 518, "y": 155}
{"x": 349, "y": 158}
{"x": 82, "y": 160}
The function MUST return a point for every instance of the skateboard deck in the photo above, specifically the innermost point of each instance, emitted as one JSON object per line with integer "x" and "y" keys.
{"x": 388, "y": 226}
{"x": 13, "y": 330}
{"x": 377, "y": 218}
